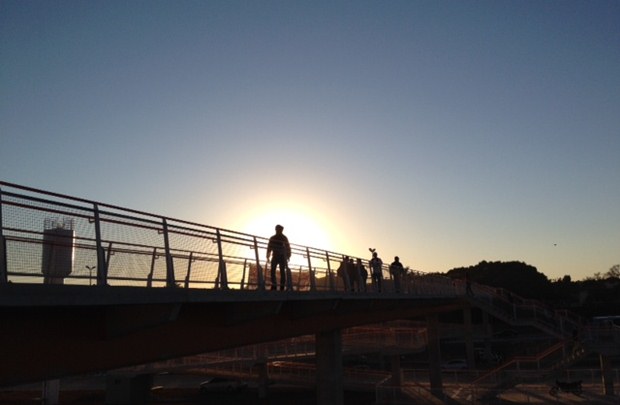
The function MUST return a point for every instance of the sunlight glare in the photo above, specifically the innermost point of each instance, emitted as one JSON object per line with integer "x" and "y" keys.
{"x": 301, "y": 226}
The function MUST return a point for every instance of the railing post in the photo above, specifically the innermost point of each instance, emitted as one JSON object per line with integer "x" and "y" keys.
{"x": 149, "y": 278}
{"x": 102, "y": 267}
{"x": 108, "y": 255}
{"x": 344, "y": 266}
{"x": 259, "y": 272}
{"x": 332, "y": 287}
{"x": 245, "y": 265}
{"x": 221, "y": 268}
{"x": 289, "y": 278}
{"x": 189, "y": 269}
{"x": 310, "y": 272}
{"x": 170, "y": 282}
{"x": 3, "y": 262}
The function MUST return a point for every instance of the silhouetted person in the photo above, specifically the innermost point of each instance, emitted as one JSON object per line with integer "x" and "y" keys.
{"x": 280, "y": 251}
{"x": 343, "y": 272}
{"x": 376, "y": 268}
{"x": 468, "y": 289}
{"x": 353, "y": 276}
{"x": 363, "y": 273}
{"x": 397, "y": 270}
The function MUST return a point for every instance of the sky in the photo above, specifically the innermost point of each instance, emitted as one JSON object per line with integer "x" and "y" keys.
{"x": 444, "y": 132}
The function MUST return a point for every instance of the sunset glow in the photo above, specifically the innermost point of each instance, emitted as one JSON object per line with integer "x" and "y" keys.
{"x": 301, "y": 225}
{"x": 445, "y": 133}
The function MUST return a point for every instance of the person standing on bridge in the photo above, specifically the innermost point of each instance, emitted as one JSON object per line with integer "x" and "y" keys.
{"x": 376, "y": 268}
{"x": 344, "y": 274}
{"x": 397, "y": 271}
{"x": 361, "y": 270}
{"x": 280, "y": 251}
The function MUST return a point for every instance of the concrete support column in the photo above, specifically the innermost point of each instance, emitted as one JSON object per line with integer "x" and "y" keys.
{"x": 469, "y": 337}
{"x": 434, "y": 355}
{"x": 607, "y": 374}
{"x": 488, "y": 333}
{"x": 263, "y": 377}
{"x": 397, "y": 372}
{"x": 329, "y": 370}
{"x": 128, "y": 389}
{"x": 50, "y": 392}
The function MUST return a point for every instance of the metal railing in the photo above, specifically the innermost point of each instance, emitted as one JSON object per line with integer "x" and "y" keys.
{"x": 516, "y": 310}
{"x": 544, "y": 360}
{"x": 50, "y": 238}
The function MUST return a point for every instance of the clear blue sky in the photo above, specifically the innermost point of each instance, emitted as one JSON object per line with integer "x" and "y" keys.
{"x": 445, "y": 132}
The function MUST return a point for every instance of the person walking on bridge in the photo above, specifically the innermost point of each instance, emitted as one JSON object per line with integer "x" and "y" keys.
{"x": 280, "y": 251}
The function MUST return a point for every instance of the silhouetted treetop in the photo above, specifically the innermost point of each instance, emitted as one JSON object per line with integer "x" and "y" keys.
{"x": 520, "y": 278}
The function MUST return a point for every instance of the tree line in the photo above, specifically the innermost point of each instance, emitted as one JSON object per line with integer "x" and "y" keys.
{"x": 594, "y": 296}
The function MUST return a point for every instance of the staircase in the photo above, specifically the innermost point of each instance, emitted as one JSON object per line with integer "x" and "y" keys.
{"x": 518, "y": 311}
{"x": 521, "y": 369}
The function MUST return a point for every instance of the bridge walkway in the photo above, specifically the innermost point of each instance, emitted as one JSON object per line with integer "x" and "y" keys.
{"x": 118, "y": 277}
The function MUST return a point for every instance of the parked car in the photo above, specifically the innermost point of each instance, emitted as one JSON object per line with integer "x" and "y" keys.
{"x": 220, "y": 384}
{"x": 484, "y": 356}
{"x": 606, "y": 321}
{"x": 455, "y": 364}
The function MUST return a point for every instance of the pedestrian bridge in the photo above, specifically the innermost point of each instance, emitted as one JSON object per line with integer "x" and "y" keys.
{"x": 87, "y": 286}
{"x": 50, "y": 238}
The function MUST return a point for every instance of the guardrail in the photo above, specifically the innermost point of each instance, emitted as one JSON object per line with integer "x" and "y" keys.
{"x": 50, "y": 238}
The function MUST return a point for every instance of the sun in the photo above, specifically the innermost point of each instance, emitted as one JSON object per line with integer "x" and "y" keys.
{"x": 301, "y": 225}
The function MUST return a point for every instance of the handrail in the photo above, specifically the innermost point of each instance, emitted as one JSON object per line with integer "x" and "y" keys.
{"x": 521, "y": 359}
{"x": 113, "y": 231}
{"x": 514, "y": 308}
{"x": 134, "y": 211}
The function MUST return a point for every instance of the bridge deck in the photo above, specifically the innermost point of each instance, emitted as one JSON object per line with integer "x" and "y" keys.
{"x": 66, "y": 330}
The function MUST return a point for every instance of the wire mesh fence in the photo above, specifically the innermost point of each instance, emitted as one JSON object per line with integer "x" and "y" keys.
{"x": 49, "y": 238}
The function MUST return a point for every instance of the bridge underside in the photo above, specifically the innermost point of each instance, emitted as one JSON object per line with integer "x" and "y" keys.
{"x": 56, "y": 331}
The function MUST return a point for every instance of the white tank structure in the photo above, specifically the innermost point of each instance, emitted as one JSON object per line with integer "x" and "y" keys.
{"x": 58, "y": 250}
